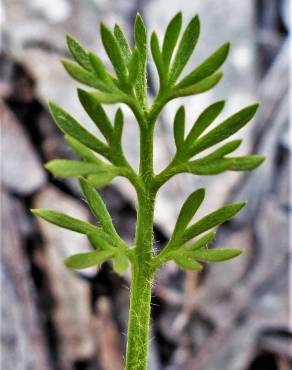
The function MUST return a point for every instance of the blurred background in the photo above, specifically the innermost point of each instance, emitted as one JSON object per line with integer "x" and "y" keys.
{"x": 231, "y": 316}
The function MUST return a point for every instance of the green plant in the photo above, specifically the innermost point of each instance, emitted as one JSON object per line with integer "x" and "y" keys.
{"x": 129, "y": 86}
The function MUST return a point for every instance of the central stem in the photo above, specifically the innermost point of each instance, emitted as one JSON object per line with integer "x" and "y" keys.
{"x": 139, "y": 318}
{"x": 142, "y": 270}
{"x": 142, "y": 277}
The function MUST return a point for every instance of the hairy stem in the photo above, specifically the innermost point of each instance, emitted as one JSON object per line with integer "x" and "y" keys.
{"x": 142, "y": 271}
{"x": 139, "y": 318}
{"x": 142, "y": 276}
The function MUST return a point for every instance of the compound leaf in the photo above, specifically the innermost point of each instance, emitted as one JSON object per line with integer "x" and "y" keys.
{"x": 130, "y": 87}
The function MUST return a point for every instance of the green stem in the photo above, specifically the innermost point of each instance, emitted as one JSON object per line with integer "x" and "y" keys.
{"x": 142, "y": 277}
{"x": 142, "y": 270}
{"x": 139, "y": 318}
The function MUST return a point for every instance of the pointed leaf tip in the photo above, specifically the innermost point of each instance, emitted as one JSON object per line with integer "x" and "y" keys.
{"x": 188, "y": 210}
{"x": 65, "y": 221}
{"x": 114, "y": 52}
{"x": 78, "y": 52}
{"x": 212, "y": 220}
{"x": 205, "y": 119}
{"x": 139, "y": 18}
{"x": 217, "y": 254}
{"x": 185, "y": 48}
{"x": 170, "y": 38}
{"x": 225, "y": 129}
{"x": 246, "y": 163}
{"x": 123, "y": 42}
{"x": 140, "y": 32}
